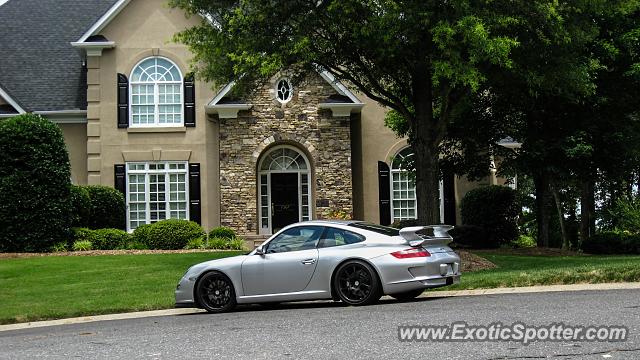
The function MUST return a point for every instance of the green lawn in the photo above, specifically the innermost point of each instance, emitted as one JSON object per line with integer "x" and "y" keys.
{"x": 518, "y": 270}
{"x": 53, "y": 287}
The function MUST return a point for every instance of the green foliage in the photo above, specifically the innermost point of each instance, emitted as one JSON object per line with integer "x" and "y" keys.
{"x": 494, "y": 208}
{"x": 60, "y": 247}
{"x": 222, "y": 232}
{"x": 141, "y": 234}
{"x": 399, "y": 224}
{"x": 612, "y": 242}
{"x": 82, "y": 245}
{"x": 524, "y": 241}
{"x": 79, "y": 233}
{"x": 197, "y": 243}
{"x": 34, "y": 184}
{"x": 80, "y": 206}
{"x": 169, "y": 234}
{"x": 109, "y": 239}
{"x": 471, "y": 236}
{"x": 107, "y": 207}
{"x": 624, "y": 215}
{"x": 134, "y": 245}
{"x": 225, "y": 244}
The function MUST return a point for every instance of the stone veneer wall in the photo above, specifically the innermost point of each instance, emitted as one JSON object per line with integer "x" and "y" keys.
{"x": 324, "y": 139}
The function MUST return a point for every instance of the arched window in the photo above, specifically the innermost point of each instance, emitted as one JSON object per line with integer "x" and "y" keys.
{"x": 284, "y": 90}
{"x": 156, "y": 93}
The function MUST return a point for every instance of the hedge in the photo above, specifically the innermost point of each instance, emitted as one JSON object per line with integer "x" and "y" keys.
{"x": 35, "y": 193}
{"x": 107, "y": 207}
{"x": 612, "y": 242}
{"x": 80, "y": 206}
{"x": 495, "y": 209}
{"x": 222, "y": 232}
{"x": 169, "y": 234}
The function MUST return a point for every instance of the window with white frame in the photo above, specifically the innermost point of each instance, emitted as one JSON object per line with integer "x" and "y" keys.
{"x": 156, "y": 93}
{"x": 284, "y": 90}
{"x": 403, "y": 188}
{"x": 156, "y": 191}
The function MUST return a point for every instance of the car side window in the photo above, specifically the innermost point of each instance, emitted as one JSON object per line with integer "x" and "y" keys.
{"x": 337, "y": 237}
{"x": 295, "y": 239}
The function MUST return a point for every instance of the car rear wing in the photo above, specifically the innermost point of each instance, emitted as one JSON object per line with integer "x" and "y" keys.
{"x": 440, "y": 235}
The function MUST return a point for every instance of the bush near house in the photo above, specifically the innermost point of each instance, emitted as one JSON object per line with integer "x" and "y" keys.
{"x": 107, "y": 207}
{"x": 169, "y": 234}
{"x": 495, "y": 209}
{"x": 35, "y": 193}
{"x": 612, "y": 242}
{"x": 109, "y": 239}
{"x": 80, "y": 206}
{"x": 222, "y": 232}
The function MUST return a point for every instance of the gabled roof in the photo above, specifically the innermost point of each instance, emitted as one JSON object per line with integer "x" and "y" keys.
{"x": 39, "y": 68}
{"x": 341, "y": 104}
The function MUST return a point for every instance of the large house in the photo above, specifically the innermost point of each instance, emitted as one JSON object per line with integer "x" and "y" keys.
{"x": 108, "y": 73}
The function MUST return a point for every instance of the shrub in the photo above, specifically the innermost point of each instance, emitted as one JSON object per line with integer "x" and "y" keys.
{"x": 80, "y": 206}
{"x": 109, "y": 239}
{"x": 399, "y": 224}
{"x": 170, "y": 234}
{"x": 225, "y": 244}
{"x": 471, "y": 236}
{"x": 59, "y": 247}
{"x": 222, "y": 232}
{"x": 494, "y": 208}
{"x": 107, "y": 207}
{"x": 523, "y": 241}
{"x": 195, "y": 244}
{"x": 623, "y": 215}
{"x": 82, "y": 245}
{"x": 612, "y": 242}
{"x": 80, "y": 233}
{"x": 141, "y": 234}
{"x": 34, "y": 184}
{"x": 135, "y": 245}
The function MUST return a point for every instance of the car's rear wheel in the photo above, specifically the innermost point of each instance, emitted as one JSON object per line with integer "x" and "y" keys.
{"x": 408, "y": 295}
{"x": 215, "y": 292}
{"x": 356, "y": 283}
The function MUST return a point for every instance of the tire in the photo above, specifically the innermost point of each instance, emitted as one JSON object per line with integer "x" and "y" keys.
{"x": 357, "y": 283}
{"x": 409, "y": 295}
{"x": 215, "y": 293}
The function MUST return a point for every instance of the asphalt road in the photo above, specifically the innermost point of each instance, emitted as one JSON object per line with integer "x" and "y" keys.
{"x": 323, "y": 330}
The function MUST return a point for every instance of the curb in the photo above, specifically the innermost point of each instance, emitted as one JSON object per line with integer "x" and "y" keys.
{"x": 432, "y": 294}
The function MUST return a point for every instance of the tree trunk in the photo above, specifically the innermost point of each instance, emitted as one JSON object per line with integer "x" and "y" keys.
{"x": 587, "y": 209}
{"x": 427, "y": 185}
{"x": 542, "y": 209}
{"x": 560, "y": 210}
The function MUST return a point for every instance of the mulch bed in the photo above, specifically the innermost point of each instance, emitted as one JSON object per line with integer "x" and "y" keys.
{"x": 533, "y": 251}
{"x": 472, "y": 262}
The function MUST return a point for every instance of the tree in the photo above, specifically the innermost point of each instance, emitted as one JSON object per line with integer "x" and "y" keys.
{"x": 420, "y": 59}
{"x": 34, "y": 184}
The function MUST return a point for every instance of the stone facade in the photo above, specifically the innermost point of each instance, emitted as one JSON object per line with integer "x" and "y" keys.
{"x": 322, "y": 138}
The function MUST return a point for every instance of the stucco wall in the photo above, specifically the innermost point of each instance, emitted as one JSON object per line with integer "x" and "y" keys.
{"x": 145, "y": 28}
{"x": 75, "y": 138}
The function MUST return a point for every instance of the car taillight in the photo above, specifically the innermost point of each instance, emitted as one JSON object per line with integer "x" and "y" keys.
{"x": 410, "y": 253}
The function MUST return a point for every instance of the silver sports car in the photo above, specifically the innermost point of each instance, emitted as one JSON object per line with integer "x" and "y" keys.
{"x": 350, "y": 261}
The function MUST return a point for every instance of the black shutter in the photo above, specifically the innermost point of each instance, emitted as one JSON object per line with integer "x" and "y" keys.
{"x": 195, "y": 208}
{"x": 449, "y": 192}
{"x": 189, "y": 101}
{"x": 123, "y": 101}
{"x": 120, "y": 184}
{"x": 384, "y": 193}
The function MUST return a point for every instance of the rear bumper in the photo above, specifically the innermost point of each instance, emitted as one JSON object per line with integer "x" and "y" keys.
{"x": 402, "y": 275}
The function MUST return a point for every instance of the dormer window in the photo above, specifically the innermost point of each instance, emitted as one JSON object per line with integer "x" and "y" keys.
{"x": 156, "y": 94}
{"x": 284, "y": 91}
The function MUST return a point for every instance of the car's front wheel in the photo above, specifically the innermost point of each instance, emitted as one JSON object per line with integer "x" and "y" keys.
{"x": 215, "y": 293}
{"x": 404, "y": 296}
{"x": 356, "y": 283}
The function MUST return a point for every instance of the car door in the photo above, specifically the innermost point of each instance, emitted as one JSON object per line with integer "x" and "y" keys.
{"x": 287, "y": 265}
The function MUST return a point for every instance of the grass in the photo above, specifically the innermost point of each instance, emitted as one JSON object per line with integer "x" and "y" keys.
{"x": 53, "y": 287}
{"x": 518, "y": 270}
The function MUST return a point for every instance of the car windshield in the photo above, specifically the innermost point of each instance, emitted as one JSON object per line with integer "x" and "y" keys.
{"x": 384, "y": 230}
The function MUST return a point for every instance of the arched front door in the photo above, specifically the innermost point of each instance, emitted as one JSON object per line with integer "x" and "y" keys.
{"x": 284, "y": 184}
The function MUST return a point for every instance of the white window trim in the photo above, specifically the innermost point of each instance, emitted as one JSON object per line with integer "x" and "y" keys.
{"x": 156, "y": 96}
{"x": 285, "y": 101}
{"x": 146, "y": 172}
{"x": 268, "y": 173}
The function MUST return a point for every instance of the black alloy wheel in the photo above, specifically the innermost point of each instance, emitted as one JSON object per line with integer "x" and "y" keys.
{"x": 356, "y": 283}
{"x": 215, "y": 293}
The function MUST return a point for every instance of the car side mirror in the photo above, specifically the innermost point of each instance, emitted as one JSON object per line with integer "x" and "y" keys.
{"x": 260, "y": 251}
